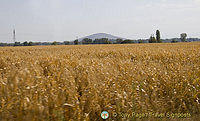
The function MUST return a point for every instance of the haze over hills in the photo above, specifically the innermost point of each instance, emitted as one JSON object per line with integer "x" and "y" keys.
{"x": 101, "y": 35}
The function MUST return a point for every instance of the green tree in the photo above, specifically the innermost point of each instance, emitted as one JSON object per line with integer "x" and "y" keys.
{"x": 183, "y": 37}
{"x": 102, "y": 41}
{"x": 140, "y": 41}
{"x": 152, "y": 39}
{"x": 119, "y": 41}
{"x": 54, "y": 43}
{"x": 3, "y": 44}
{"x": 174, "y": 41}
{"x": 158, "y": 36}
{"x": 25, "y": 43}
{"x": 76, "y": 42}
{"x": 17, "y": 44}
{"x": 66, "y": 42}
{"x": 127, "y": 41}
{"x": 30, "y": 44}
{"x": 87, "y": 41}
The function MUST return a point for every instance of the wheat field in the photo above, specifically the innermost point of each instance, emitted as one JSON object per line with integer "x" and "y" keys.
{"x": 77, "y": 83}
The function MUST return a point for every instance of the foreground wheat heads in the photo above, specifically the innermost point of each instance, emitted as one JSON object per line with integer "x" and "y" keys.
{"x": 78, "y": 82}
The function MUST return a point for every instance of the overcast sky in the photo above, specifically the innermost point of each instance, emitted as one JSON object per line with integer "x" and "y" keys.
{"x": 47, "y": 20}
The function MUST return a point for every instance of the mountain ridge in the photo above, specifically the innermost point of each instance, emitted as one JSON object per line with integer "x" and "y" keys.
{"x": 101, "y": 35}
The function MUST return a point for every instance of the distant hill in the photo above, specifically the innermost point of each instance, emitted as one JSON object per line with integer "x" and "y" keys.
{"x": 101, "y": 35}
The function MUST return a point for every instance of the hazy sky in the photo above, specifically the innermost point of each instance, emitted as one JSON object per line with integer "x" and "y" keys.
{"x": 47, "y": 20}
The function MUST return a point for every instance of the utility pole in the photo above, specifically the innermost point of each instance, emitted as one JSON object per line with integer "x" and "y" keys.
{"x": 14, "y": 36}
{"x": 78, "y": 41}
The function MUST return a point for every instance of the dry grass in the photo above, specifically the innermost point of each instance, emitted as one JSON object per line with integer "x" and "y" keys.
{"x": 78, "y": 82}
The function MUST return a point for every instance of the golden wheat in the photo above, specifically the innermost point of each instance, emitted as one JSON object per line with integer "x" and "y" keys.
{"x": 78, "y": 82}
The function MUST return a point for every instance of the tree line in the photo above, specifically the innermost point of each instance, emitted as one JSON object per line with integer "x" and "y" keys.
{"x": 152, "y": 39}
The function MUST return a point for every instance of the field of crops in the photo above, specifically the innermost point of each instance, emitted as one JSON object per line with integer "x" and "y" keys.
{"x": 78, "y": 82}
